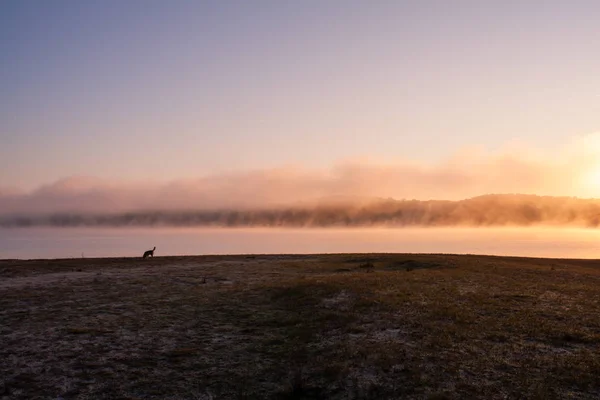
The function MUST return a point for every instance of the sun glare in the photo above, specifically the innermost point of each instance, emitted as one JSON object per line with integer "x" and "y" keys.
{"x": 590, "y": 180}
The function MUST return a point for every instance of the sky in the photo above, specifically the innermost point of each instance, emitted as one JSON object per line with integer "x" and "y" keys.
{"x": 223, "y": 99}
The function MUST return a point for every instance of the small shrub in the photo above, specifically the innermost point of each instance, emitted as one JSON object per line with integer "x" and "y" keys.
{"x": 368, "y": 266}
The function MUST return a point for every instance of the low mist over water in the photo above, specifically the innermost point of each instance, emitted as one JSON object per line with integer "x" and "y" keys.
{"x": 30, "y": 243}
{"x": 487, "y": 211}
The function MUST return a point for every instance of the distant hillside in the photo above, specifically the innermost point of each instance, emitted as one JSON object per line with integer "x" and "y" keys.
{"x": 488, "y": 210}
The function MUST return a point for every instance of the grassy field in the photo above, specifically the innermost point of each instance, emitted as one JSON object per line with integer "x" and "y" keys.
{"x": 352, "y": 326}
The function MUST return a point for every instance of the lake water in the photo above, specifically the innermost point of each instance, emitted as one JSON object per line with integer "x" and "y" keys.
{"x": 31, "y": 243}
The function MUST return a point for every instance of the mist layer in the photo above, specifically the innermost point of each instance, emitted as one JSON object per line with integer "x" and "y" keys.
{"x": 489, "y": 210}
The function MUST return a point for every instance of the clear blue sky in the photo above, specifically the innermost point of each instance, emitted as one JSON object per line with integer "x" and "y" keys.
{"x": 176, "y": 89}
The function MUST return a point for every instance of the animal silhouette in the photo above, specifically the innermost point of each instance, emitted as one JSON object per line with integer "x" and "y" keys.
{"x": 149, "y": 253}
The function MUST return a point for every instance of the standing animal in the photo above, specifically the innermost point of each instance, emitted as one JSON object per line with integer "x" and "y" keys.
{"x": 149, "y": 253}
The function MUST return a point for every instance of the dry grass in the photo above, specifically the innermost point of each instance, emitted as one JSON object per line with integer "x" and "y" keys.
{"x": 298, "y": 327}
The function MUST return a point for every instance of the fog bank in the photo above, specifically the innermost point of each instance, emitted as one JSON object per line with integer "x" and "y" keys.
{"x": 489, "y": 210}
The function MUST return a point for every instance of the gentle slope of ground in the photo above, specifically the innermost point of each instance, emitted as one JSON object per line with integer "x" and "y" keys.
{"x": 353, "y": 326}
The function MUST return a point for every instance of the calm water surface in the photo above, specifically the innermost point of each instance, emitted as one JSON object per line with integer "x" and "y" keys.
{"x": 94, "y": 242}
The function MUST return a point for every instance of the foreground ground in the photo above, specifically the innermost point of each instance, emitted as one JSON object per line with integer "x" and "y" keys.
{"x": 361, "y": 326}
